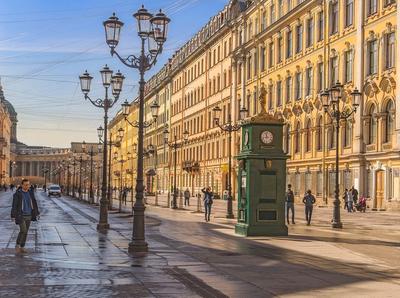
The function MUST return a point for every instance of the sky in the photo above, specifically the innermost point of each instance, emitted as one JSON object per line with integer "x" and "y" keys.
{"x": 46, "y": 44}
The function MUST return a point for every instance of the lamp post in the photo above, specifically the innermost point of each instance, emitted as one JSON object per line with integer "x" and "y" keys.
{"x": 175, "y": 145}
{"x": 121, "y": 161}
{"x": 229, "y": 127}
{"x": 68, "y": 177}
{"x": 91, "y": 153}
{"x": 152, "y": 151}
{"x": 153, "y": 31}
{"x": 331, "y": 100}
{"x": 110, "y": 144}
{"x": 115, "y": 82}
{"x": 45, "y": 171}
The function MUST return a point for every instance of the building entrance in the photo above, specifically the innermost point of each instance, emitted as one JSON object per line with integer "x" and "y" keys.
{"x": 380, "y": 189}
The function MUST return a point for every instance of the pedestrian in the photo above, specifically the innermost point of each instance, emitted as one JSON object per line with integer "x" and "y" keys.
{"x": 309, "y": 201}
{"x": 354, "y": 193}
{"x": 124, "y": 194}
{"x": 186, "y": 194}
{"x": 349, "y": 199}
{"x": 289, "y": 203}
{"x": 208, "y": 201}
{"x": 345, "y": 198}
{"x": 24, "y": 210}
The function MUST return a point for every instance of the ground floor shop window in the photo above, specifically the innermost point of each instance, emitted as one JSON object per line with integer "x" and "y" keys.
{"x": 320, "y": 183}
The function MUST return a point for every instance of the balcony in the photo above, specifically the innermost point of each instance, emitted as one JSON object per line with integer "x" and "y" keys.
{"x": 191, "y": 166}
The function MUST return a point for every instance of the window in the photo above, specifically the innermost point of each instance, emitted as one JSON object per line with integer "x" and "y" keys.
{"x": 348, "y": 66}
{"x": 334, "y": 17}
{"x": 262, "y": 58}
{"x": 280, "y": 47}
{"x": 280, "y": 8}
{"x": 319, "y": 134}
{"x": 298, "y": 85}
{"x": 288, "y": 89}
{"x": 308, "y": 81}
{"x": 308, "y": 180}
{"x": 348, "y": 133}
{"x": 279, "y": 93}
{"x": 299, "y": 38}
{"x": 310, "y": 32}
{"x": 372, "y": 7}
{"x": 320, "y": 76}
{"x": 308, "y": 136}
{"x": 272, "y": 13}
{"x": 264, "y": 21}
{"x": 297, "y": 136}
{"x": 289, "y": 45}
{"x": 271, "y": 55}
{"x": 390, "y": 48}
{"x": 255, "y": 102}
{"x": 270, "y": 96}
{"x": 349, "y": 12}
{"x": 249, "y": 67}
{"x": 389, "y": 123}
{"x": 320, "y": 26}
{"x": 334, "y": 70}
{"x": 372, "y": 57}
{"x": 255, "y": 64}
{"x": 372, "y": 125}
{"x": 289, "y": 5}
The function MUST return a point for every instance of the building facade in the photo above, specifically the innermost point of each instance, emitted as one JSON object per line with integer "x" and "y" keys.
{"x": 288, "y": 52}
{"x": 5, "y": 138}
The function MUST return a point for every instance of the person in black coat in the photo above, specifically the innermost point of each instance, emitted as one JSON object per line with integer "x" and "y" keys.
{"x": 24, "y": 210}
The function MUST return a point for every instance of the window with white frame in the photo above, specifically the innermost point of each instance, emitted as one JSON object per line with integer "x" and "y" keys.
{"x": 309, "y": 78}
{"x": 298, "y": 85}
{"x": 334, "y": 17}
{"x": 334, "y": 65}
{"x": 349, "y": 12}
{"x": 288, "y": 89}
{"x": 372, "y": 57}
{"x": 299, "y": 38}
{"x": 310, "y": 32}
{"x": 390, "y": 50}
{"x": 348, "y": 66}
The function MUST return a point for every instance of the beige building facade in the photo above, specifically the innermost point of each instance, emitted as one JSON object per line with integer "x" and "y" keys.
{"x": 288, "y": 52}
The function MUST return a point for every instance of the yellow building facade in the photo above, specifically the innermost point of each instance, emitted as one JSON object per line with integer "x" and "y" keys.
{"x": 288, "y": 52}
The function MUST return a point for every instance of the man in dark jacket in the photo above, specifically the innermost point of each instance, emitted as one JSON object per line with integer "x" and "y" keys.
{"x": 208, "y": 201}
{"x": 24, "y": 210}
{"x": 289, "y": 203}
{"x": 186, "y": 194}
{"x": 309, "y": 201}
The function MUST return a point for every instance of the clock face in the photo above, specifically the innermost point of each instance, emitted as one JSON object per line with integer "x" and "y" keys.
{"x": 246, "y": 137}
{"x": 267, "y": 137}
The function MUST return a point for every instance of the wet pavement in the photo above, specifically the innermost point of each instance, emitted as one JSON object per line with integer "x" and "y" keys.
{"x": 191, "y": 258}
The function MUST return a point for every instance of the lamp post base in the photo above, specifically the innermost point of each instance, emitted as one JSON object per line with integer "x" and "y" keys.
{"x": 138, "y": 246}
{"x": 103, "y": 226}
{"x": 337, "y": 225}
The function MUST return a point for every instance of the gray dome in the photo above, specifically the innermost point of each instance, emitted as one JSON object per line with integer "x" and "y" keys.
{"x": 10, "y": 108}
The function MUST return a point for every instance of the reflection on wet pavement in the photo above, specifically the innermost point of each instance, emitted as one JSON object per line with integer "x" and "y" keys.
{"x": 187, "y": 258}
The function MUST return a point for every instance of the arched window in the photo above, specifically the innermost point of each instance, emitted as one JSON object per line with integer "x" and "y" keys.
{"x": 389, "y": 125}
{"x": 331, "y": 135}
{"x": 297, "y": 137}
{"x": 319, "y": 134}
{"x": 373, "y": 126}
{"x": 308, "y": 136}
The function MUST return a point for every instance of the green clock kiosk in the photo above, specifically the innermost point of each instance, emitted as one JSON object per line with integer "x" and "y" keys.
{"x": 261, "y": 177}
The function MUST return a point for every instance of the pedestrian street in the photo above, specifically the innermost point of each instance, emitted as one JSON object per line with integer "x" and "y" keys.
{"x": 189, "y": 257}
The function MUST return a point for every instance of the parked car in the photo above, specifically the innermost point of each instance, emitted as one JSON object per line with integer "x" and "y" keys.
{"x": 54, "y": 190}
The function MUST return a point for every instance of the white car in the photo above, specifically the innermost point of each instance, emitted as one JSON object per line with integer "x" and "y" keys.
{"x": 54, "y": 190}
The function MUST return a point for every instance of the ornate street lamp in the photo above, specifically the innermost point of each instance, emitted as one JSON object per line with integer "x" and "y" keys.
{"x": 153, "y": 31}
{"x": 229, "y": 127}
{"x": 115, "y": 82}
{"x": 110, "y": 144}
{"x": 331, "y": 100}
{"x": 175, "y": 145}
